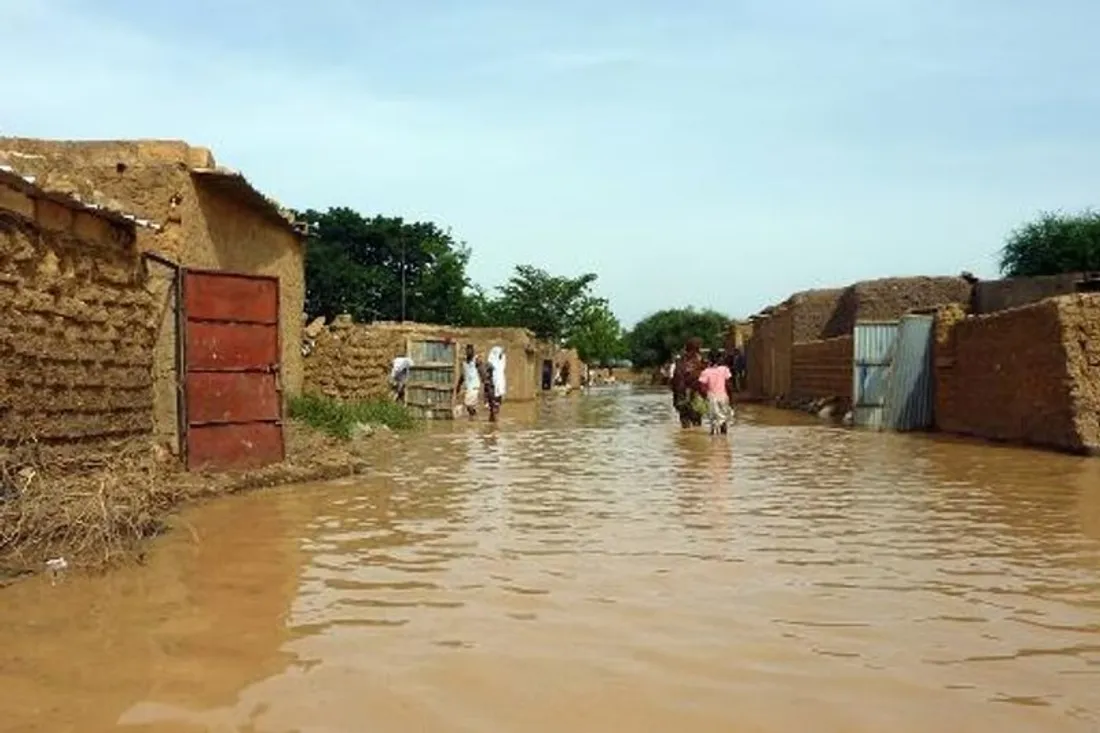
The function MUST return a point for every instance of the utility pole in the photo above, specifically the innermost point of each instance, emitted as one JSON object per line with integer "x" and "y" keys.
{"x": 402, "y": 279}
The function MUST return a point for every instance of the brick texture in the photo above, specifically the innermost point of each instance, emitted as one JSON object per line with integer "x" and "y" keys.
{"x": 76, "y": 333}
{"x": 816, "y": 315}
{"x": 822, "y": 369}
{"x": 768, "y": 355}
{"x": 352, "y": 361}
{"x": 1027, "y": 375}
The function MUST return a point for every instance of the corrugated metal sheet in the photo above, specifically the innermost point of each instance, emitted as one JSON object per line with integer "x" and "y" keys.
{"x": 873, "y": 353}
{"x": 909, "y": 395}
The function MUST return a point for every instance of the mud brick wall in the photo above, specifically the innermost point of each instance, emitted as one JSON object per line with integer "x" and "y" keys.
{"x": 1080, "y": 317}
{"x": 352, "y": 361}
{"x": 943, "y": 361}
{"x": 822, "y": 369}
{"x": 811, "y": 313}
{"x": 77, "y": 326}
{"x": 1027, "y": 375}
{"x": 991, "y": 296}
{"x": 768, "y": 362}
{"x": 888, "y": 299}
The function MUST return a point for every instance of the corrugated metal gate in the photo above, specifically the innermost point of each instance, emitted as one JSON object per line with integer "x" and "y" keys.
{"x": 873, "y": 353}
{"x": 892, "y": 385}
{"x": 232, "y": 406}
{"x": 429, "y": 390}
{"x": 910, "y": 392}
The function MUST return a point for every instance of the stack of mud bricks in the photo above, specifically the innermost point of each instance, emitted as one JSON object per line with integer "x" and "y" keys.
{"x": 77, "y": 325}
{"x": 1028, "y": 374}
{"x": 351, "y": 361}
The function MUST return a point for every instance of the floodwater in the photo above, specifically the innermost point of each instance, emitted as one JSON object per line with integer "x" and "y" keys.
{"x": 586, "y": 566}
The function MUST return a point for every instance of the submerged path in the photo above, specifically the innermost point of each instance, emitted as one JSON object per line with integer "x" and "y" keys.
{"x": 586, "y": 566}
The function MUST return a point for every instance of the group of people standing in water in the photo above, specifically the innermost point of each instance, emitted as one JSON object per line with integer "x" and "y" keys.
{"x": 480, "y": 382}
{"x": 701, "y": 389}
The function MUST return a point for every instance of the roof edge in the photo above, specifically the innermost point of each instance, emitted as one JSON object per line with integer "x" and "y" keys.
{"x": 29, "y": 186}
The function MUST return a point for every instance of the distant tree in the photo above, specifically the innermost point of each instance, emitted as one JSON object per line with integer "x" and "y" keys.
{"x": 655, "y": 339}
{"x": 354, "y": 265}
{"x": 597, "y": 335}
{"x": 551, "y": 306}
{"x": 1053, "y": 244}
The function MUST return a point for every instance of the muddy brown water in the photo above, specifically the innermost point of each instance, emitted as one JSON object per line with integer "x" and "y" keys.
{"x": 586, "y": 566}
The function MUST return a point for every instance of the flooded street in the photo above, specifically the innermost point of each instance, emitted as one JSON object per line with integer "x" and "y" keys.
{"x": 586, "y": 566}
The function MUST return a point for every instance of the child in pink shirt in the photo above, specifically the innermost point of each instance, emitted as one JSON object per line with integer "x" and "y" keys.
{"x": 714, "y": 381}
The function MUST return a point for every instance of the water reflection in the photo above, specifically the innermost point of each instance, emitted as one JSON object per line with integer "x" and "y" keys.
{"x": 585, "y": 565}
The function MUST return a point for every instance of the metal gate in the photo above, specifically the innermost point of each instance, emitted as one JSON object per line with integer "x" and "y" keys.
{"x": 909, "y": 395}
{"x": 232, "y": 406}
{"x": 873, "y": 345}
{"x": 892, "y": 383}
{"x": 430, "y": 388}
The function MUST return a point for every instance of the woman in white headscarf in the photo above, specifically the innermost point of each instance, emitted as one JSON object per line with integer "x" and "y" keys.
{"x": 495, "y": 388}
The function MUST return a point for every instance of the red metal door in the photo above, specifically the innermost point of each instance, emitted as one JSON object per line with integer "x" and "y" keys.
{"x": 232, "y": 395}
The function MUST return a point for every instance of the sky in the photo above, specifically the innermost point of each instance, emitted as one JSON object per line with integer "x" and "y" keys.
{"x": 717, "y": 154}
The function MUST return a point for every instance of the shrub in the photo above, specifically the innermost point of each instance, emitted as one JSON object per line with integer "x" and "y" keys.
{"x": 340, "y": 418}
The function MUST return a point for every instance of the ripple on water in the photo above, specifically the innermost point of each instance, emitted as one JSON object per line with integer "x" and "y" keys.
{"x": 590, "y": 567}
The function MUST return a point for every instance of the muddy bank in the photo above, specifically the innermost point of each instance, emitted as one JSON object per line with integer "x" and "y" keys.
{"x": 96, "y": 512}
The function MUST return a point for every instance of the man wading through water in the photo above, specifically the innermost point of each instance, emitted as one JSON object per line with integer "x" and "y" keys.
{"x": 687, "y": 395}
{"x": 469, "y": 383}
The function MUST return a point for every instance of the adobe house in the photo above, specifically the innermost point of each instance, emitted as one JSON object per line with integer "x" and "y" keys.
{"x": 77, "y": 324}
{"x": 213, "y": 219}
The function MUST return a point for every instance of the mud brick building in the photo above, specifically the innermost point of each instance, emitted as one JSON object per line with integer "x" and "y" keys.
{"x": 351, "y": 361}
{"x": 232, "y": 321}
{"x": 77, "y": 323}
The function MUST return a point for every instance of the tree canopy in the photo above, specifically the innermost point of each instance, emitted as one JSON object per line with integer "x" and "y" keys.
{"x": 353, "y": 265}
{"x": 597, "y": 334}
{"x": 549, "y": 305}
{"x": 1053, "y": 244}
{"x": 658, "y": 337}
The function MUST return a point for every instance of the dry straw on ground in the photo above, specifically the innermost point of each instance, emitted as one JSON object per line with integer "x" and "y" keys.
{"x": 96, "y": 511}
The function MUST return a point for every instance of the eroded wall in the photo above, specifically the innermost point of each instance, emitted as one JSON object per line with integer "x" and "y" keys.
{"x": 1027, "y": 375}
{"x": 352, "y": 361}
{"x": 77, "y": 327}
{"x": 823, "y": 368}
{"x": 203, "y": 226}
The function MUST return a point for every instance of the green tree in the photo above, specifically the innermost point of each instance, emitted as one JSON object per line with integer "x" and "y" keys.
{"x": 597, "y": 335}
{"x": 655, "y": 339}
{"x": 1052, "y": 244}
{"x": 549, "y": 305}
{"x": 354, "y": 265}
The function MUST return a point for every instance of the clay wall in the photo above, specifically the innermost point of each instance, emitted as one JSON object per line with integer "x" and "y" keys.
{"x": 822, "y": 369}
{"x": 737, "y": 335}
{"x": 888, "y": 299}
{"x": 811, "y": 313}
{"x": 1027, "y": 375}
{"x": 768, "y": 355}
{"x": 352, "y": 361}
{"x": 208, "y": 221}
{"x": 991, "y": 296}
{"x": 77, "y": 326}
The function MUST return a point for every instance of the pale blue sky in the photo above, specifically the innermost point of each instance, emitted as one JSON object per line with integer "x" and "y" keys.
{"x": 770, "y": 145}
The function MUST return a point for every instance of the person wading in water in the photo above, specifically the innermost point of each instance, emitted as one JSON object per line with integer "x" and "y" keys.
{"x": 494, "y": 381}
{"x": 715, "y": 381}
{"x": 687, "y": 396}
{"x": 469, "y": 383}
